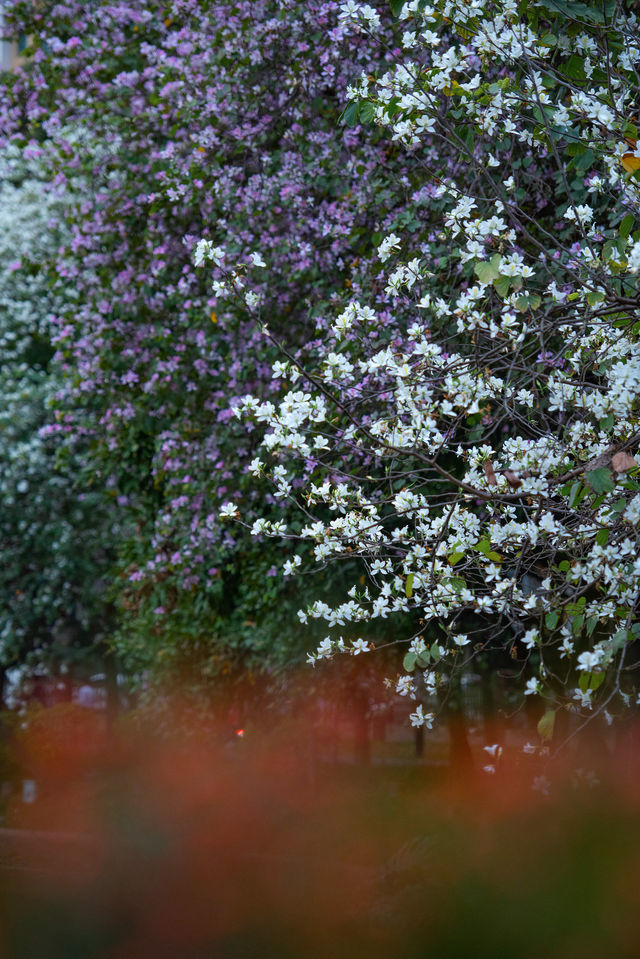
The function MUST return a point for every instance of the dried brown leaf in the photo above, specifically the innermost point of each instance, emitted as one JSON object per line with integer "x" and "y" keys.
{"x": 512, "y": 479}
{"x": 622, "y": 462}
{"x": 489, "y": 473}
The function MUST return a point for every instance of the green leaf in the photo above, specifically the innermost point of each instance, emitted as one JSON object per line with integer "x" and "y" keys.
{"x": 423, "y": 659}
{"x": 600, "y": 480}
{"x": 546, "y": 725}
{"x": 606, "y": 423}
{"x": 602, "y": 537}
{"x": 574, "y": 68}
{"x": 367, "y": 111}
{"x": 501, "y": 286}
{"x": 466, "y": 135}
{"x": 484, "y": 546}
{"x": 584, "y": 161}
{"x": 488, "y": 271}
{"x": 494, "y": 557}
{"x": 592, "y": 681}
{"x": 350, "y": 115}
{"x": 574, "y": 10}
{"x": 596, "y": 680}
{"x": 396, "y": 7}
{"x": 408, "y": 589}
{"x": 626, "y": 226}
{"x": 576, "y": 494}
{"x": 551, "y": 620}
{"x": 455, "y": 558}
{"x": 435, "y": 652}
{"x": 595, "y": 297}
{"x": 592, "y": 622}
{"x": 529, "y": 301}
{"x": 456, "y": 583}
{"x": 409, "y": 661}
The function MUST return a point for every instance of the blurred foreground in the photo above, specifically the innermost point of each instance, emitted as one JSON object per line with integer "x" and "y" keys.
{"x": 146, "y": 844}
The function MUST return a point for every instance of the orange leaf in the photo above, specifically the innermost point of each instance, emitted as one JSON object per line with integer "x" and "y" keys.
{"x": 630, "y": 162}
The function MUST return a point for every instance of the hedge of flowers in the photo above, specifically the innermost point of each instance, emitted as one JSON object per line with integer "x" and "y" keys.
{"x": 419, "y": 321}
{"x": 165, "y": 123}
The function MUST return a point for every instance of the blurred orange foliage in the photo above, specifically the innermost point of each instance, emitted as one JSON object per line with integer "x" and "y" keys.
{"x": 183, "y": 846}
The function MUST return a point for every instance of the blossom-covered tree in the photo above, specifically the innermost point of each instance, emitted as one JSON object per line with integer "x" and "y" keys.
{"x": 477, "y": 452}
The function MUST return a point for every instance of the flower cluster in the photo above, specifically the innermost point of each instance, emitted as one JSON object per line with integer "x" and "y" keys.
{"x": 477, "y": 452}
